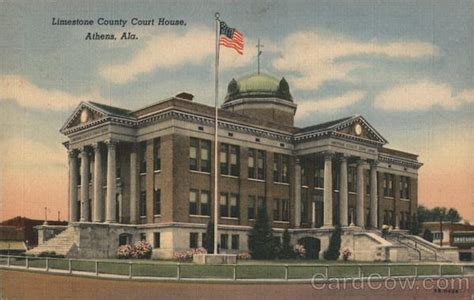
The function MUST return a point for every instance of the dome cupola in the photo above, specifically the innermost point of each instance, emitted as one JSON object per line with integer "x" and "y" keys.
{"x": 262, "y": 96}
{"x": 258, "y": 86}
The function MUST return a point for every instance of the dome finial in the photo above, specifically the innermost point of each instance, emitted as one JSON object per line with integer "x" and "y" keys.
{"x": 259, "y": 46}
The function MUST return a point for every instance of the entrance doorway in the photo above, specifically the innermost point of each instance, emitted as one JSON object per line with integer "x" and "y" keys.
{"x": 312, "y": 246}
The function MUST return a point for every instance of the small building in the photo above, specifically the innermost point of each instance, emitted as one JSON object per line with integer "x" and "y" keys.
{"x": 28, "y": 227}
{"x": 459, "y": 235}
{"x": 12, "y": 240}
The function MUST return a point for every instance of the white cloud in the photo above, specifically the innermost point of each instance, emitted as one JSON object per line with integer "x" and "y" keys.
{"x": 170, "y": 50}
{"x": 24, "y": 153}
{"x": 308, "y": 107}
{"x": 27, "y": 94}
{"x": 317, "y": 58}
{"x": 422, "y": 95}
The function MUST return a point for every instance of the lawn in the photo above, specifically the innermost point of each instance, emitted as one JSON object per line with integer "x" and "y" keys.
{"x": 276, "y": 269}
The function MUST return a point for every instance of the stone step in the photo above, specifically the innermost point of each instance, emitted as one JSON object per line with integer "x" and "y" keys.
{"x": 60, "y": 244}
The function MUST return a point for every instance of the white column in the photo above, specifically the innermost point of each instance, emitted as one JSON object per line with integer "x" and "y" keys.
{"x": 133, "y": 185}
{"x": 360, "y": 210}
{"x": 98, "y": 199}
{"x": 328, "y": 190}
{"x": 111, "y": 182}
{"x": 84, "y": 185}
{"x": 297, "y": 193}
{"x": 373, "y": 195}
{"x": 73, "y": 172}
{"x": 343, "y": 196}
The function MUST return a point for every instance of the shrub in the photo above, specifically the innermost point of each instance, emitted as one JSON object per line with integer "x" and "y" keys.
{"x": 346, "y": 253}
{"x": 187, "y": 255}
{"x": 286, "y": 250}
{"x": 124, "y": 251}
{"x": 209, "y": 240}
{"x": 141, "y": 249}
{"x": 260, "y": 238}
{"x": 428, "y": 235}
{"x": 299, "y": 251}
{"x": 50, "y": 254}
{"x": 332, "y": 252}
{"x": 244, "y": 256}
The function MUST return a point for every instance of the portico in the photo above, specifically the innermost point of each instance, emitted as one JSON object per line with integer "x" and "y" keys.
{"x": 94, "y": 185}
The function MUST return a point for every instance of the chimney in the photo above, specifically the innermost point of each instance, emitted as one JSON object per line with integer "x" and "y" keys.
{"x": 185, "y": 96}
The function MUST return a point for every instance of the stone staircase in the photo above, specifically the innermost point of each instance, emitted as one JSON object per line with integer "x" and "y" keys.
{"x": 61, "y": 244}
{"x": 417, "y": 251}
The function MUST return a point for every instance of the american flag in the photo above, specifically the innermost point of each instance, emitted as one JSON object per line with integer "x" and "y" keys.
{"x": 231, "y": 38}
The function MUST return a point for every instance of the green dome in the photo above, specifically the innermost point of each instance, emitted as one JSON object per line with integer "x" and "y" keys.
{"x": 258, "y": 86}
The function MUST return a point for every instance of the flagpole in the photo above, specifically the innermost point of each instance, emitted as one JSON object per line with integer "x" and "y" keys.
{"x": 216, "y": 144}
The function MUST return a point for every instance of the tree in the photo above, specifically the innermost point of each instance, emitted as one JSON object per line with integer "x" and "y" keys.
{"x": 286, "y": 248}
{"x": 415, "y": 226}
{"x": 333, "y": 250}
{"x": 209, "y": 240}
{"x": 453, "y": 215}
{"x": 260, "y": 238}
{"x": 428, "y": 235}
{"x": 437, "y": 213}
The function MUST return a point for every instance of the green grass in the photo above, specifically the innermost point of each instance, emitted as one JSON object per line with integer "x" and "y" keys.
{"x": 297, "y": 269}
{"x": 154, "y": 269}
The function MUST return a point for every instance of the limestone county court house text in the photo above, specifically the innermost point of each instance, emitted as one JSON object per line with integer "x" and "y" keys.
{"x": 149, "y": 173}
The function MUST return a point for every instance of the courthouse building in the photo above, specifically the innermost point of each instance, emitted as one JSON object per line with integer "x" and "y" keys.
{"x": 149, "y": 173}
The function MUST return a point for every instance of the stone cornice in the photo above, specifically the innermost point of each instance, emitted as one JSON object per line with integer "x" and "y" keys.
{"x": 334, "y": 131}
{"x": 399, "y": 161}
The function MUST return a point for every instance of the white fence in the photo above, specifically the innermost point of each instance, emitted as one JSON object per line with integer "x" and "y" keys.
{"x": 246, "y": 271}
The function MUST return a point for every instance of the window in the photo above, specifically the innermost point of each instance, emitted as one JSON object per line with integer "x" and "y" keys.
{"x": 142, "y": 236}
{"x": 203, "y": 239}
{"x": 261, "y": 202}
{"x": 142, "y": 204}
{"x": 193, "y": 240}
{"x": 367, "y": 181}
{"x": 235, "y": 242}
{"x": 193, "y": 154}
{"x": 319, "y": 176}
{"x": 224, "y": 241}
{"x": 304, "y": 210}
{"x": 336, "y": 178}
{"x": 234, "y": 205}
{"x": 199, "y": 203}
{"x": 157, "y": 202}
{"x": 156, "y": 240}
{"x": 200, "y": 155}
{"x": 156, "y": 154}
{"x": 388, "y": 185}
{"x": 256, "y": 164}
{"x": 229, "y": 205}
{"x": 304, "y": 178}
{"x": 405, "y": 187}
{"x": 124, "y": 239}
{"x": 142, "y": 157}
{"x": 280, "y": 209}
{"x": 204, "y": 203}
{"x": 193, "y": 202}
{"x": 351, "y": 179}
{"x": 281, "y": 166}
{"x": 251, "y": 208}
{"x": 229, "y": 158}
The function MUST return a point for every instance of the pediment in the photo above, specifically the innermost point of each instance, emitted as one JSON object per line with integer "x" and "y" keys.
{"x": 358, "y": 127}
{"x": 84, "y": 114}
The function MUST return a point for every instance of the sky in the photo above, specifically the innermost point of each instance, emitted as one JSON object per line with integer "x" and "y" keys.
{"x": 406, "y": 66}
